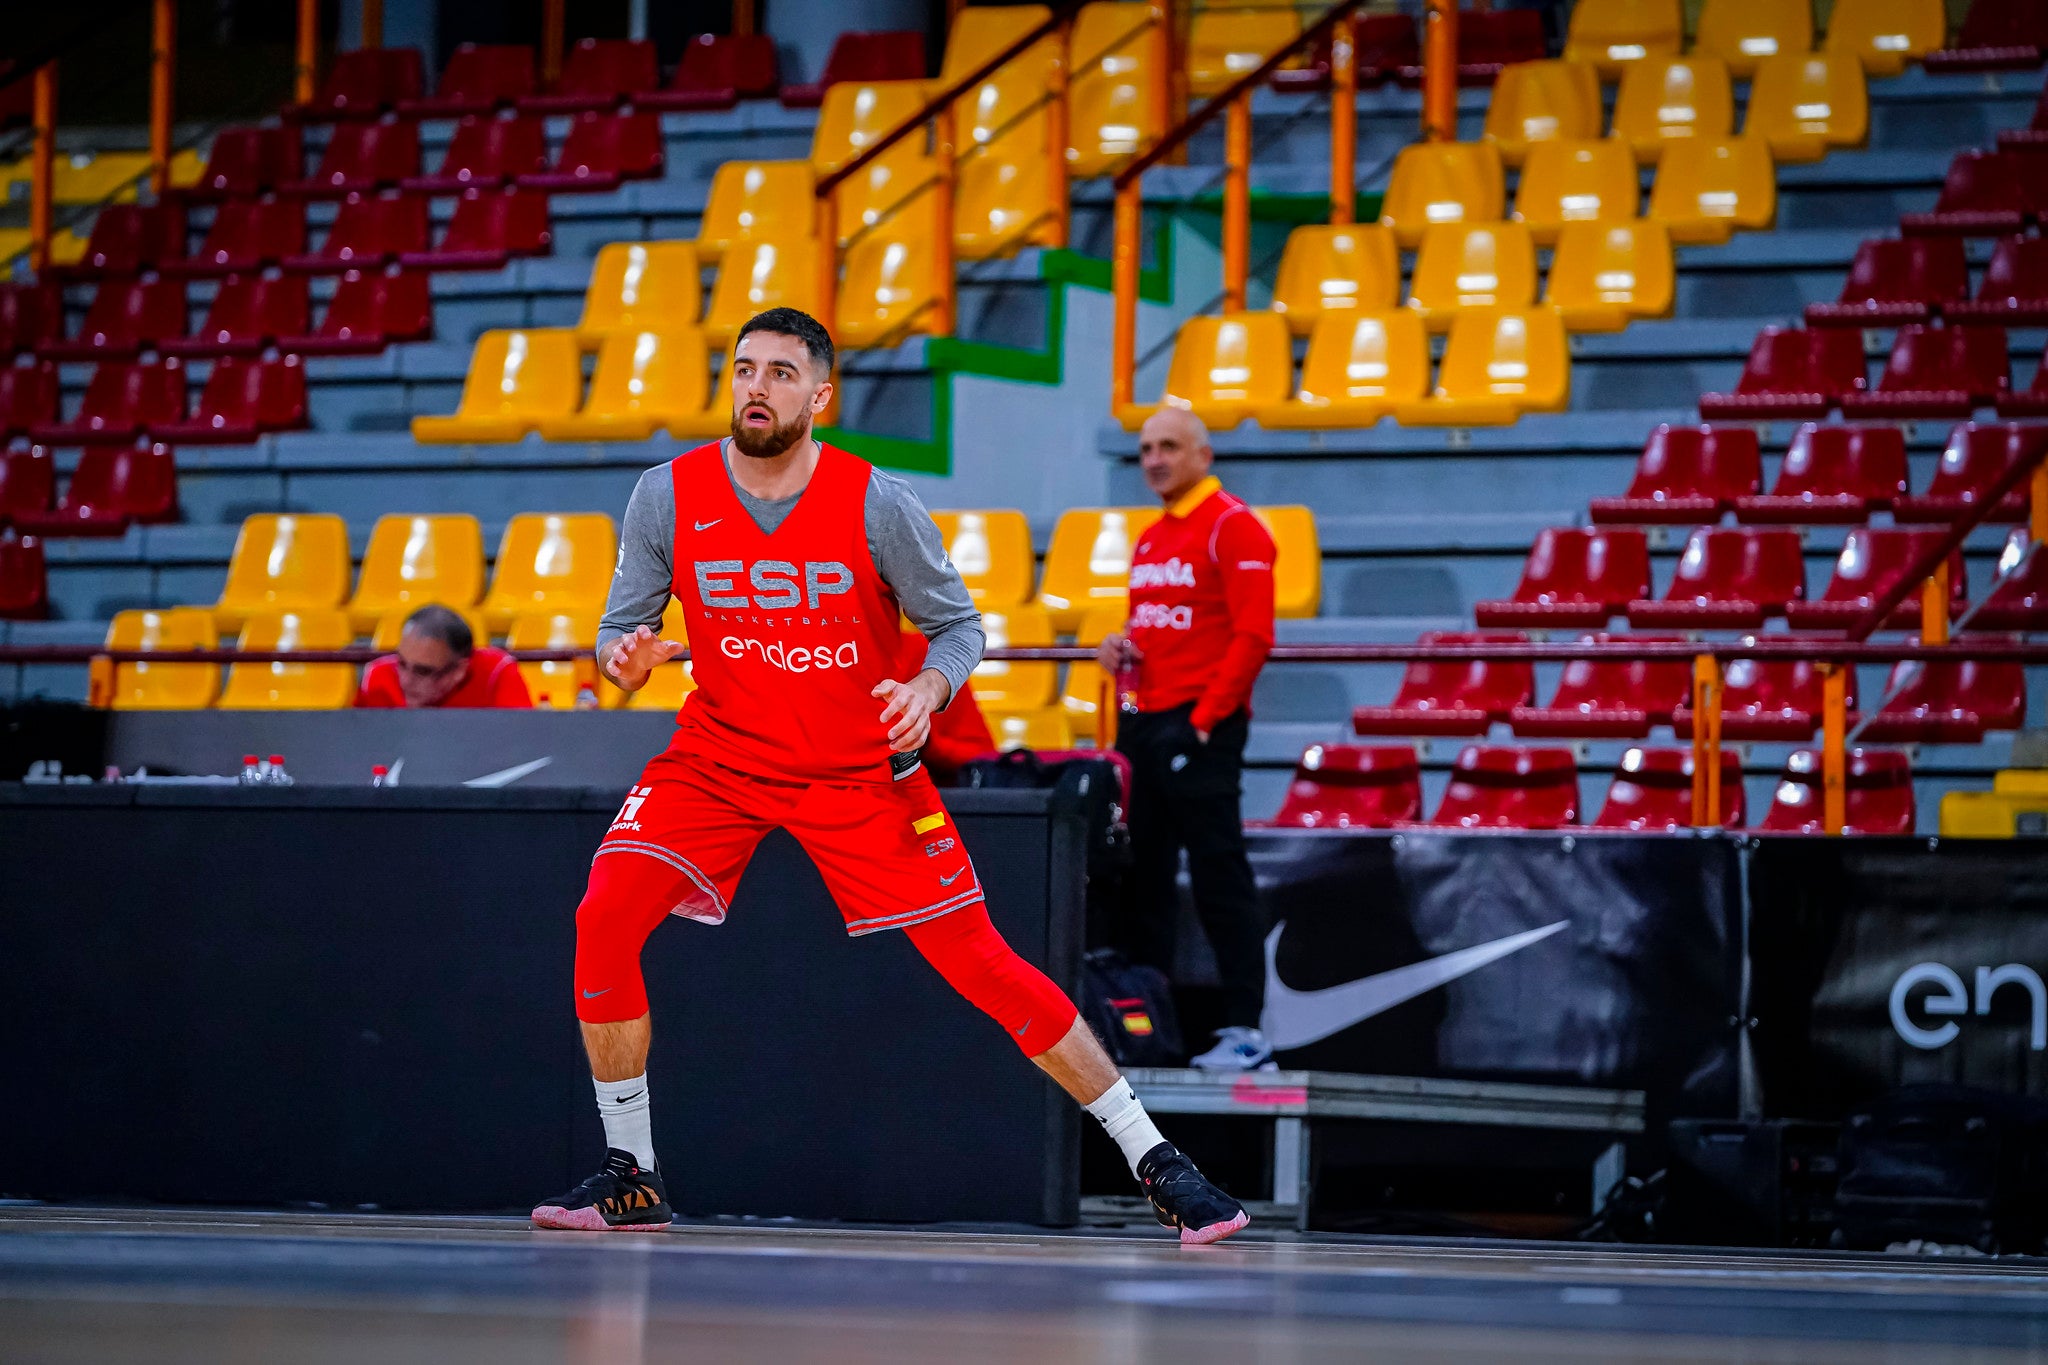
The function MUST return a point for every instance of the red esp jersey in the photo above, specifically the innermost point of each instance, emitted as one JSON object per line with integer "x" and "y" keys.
{"x": 1202, "y": 605}
{"x": 789, "y": 633}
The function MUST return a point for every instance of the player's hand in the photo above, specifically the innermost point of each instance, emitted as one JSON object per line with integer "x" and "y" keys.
{"x": 1116, "y": 652}
{"x": 910, "y": 706}
{"x": 632, "y": 657}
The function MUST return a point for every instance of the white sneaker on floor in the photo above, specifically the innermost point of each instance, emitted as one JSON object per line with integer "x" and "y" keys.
{"x": 1237, "y": 1049}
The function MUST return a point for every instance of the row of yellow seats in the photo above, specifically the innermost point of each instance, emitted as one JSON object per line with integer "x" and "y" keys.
{"x": 1800, "y": 105}
{"x": 2016, "y": 805}
{"x": 1883, "y": 35}
{"x": 98, "y": 177}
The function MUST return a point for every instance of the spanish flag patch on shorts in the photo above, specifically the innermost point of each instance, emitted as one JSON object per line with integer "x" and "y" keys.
{"x": 928, "y": 823}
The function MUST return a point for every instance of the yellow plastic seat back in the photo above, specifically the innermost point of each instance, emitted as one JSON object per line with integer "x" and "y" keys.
{"x": 558, "y": 684}
{"x": 669, "y": 684}
{"x": 755, "y": 200}
{"x": 1747, "y": 33}
{"x": 643, "y": 381}
{"x": 414, "y": 559}
{"x": 1673, "y": 100}
{"x": 715, "y": 417}
{"x": 1603, "y": 274}
{"x": 1003, "y": 198}
{"x": 1542, "y": 102}
{"x": 1086, "y": 687}
{"x": 1707, "y": 190}
{"x": 1443, "y": 182}
{"x": 1804, "y": 104}
{"x": 1886, "y": 34}
{"x": 1045, "y": 728}
{"x": 890, "y": 285}
{"x": 1297, "y": 562}
{"x": 855, "y": 115}
{"x": 1615, "y": 34}
{"x": 1014, "y": 93}
{"x": 754, "y": 276}
{"x": 1327, "y": 269}
{"x": 551, "y": 561}
{"x": 992, "y": 551}
{"x": 287, "y": 686}
{"x": 1088, "y": 563}
{"x": 1359, "y": 365}
{"x": 516, "y": 378}
{"x": 1590, "y": 181}
{"x": 1005, "y": 686}
{"x": 1497, "y": 366}
{"x": 391, "y": 626}
{"x": 1223, "y": 44}
{"x": 1223, "y": 367}
{"x": 1472, "y": 265}
{"x": 293, "y": 561}
{"x": 1115, "y": 92}
{"x": 639, "y": 287}
{"x": 164, "y": 687}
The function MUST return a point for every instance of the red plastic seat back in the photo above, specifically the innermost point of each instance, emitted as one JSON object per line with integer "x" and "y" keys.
{"x": 1977, "y": 454}
{"x": 364, "y": 154}
{"x": 1877, "y": 787}
{"x": 269, "y": 395}
{"x": 498, "y": 220}
{"x": 2004, "y": 23}
{"x": 1492, "y": 686}
{"x": 602, "y": 143}
{"x": 1504, "y": 787}
{"x": 1353, "y": 786}
{"x": 1823, "y": 360}
{"x": 1992, "y": 182}
{"x": 1576, "y": 564}
{"x": 366, "y": 82}
{"x": 257, "y": 306}
{"x": 1387, "y": 44}
{"x": 2018, "y": 272}
{"x": 717, "y": 62}
{"x": 24, "y": 579}
{"x": 1652, "y": 790}
{"x": 1969, "y": 360}
{"x": 28, "y": 480}
{"x": 248, "y": 161}
{"x": 1493, "y": 39}
{"x": 1993, "y": 691}
{"x": 1867, "y": 462}
{"x": 125, "y": 392}
{"x": 30, "y": 314}
{"x": 1774, "y": 686}
{"x": 1874, "y": 558}
{"x": 875, "y": 57}
{"x": 126, "y": 313}
{"x": 395, "y": 305}
{"x": 28, "y": 394}
{"x": 609, "y": 69}
{"x": 1909, "y": 270}
{"x": 252, "y": 230}
{"x": 485, "y": 75}
{"x": 375, "y": 226}
{"x": 492, "y": 148}
{"x": 1744, "y": 565}
{"x": 1655, "y": 686}
{"x": 124, "y": 482}
{"x": 1723, "y": 463}
{"x": 128, "y": 238}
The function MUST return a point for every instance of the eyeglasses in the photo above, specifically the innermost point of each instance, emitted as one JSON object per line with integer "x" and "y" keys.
{"x": 423, "y": 672}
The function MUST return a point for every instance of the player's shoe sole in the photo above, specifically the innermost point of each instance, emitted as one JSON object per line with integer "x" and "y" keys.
{"x": 590, "y": 1220}
{"x": 1215, "y": 1232}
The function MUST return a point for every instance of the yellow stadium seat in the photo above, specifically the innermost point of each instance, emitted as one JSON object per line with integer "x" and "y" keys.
{"x": 669, "y": 684}
{"x": 1604, "y": 274}
{"x": 1223, "y": 44}
{"x": 2017, "y": 797}
{"x": 1222, "y": 368}
{"x": 416, "y": 559}
{"x": 715, "y": 417}
{"x": 1746, "y": 33}
{"x": 1044, "y": 728}
{"x": 292, "y": 687}
{"x": 391, "y": 626}
{"x": 1297, "y": 562}
{"x": 852, "y": 117}
{"x": 1002, "y": 200}
{"x": 1496, "y": 367}
{"x": 890, "y": 284}
{"x": 1673, "y": 100}
{"x": 1542, "y": 102}
{"x": 558, "y": 684}
{"x": 1472, "y": 265}
{"x": 2020, "y": 782}
{"x": 1360, "y": 366}
{"x": 643, "y": 381}
{"x": 639, "y": 287}
{"x": 1088, "y": 563}
{"x": 1803, "y": 105}
{"x": 1082, "y": 694}
{"x": 1706, "y": 190}
{"x": 516, "y": 378}
{"x": 164, "y": 687}
{"x": 284, "y": 562}
{"x": 1004, "y": 686}
{"x": 1443, "y": 182}
{"x": 550, "y": 561}
{"x": 992, "y": 551}
{"x": 754, "y": 276}
{"x": 1594, "y": 181}
{"x": 1886, "y": 34}
{"x": 1336, "y": 270}
{"x": 1117, "y": 61}
{"x": 752, "y": 201}
{"x": 1615, "y": 34}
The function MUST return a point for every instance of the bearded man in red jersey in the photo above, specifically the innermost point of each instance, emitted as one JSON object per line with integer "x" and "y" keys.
{"x": 793, "y": 561}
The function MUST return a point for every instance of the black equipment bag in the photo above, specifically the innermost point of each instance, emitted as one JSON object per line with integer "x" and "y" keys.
{"x": 1130, "y": 1007}
{"x": 1947, "y": 1164}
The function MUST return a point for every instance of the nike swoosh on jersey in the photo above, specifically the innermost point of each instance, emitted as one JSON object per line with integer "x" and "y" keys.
{"x": 948, "y": 881}
{"x": 1294, "y": 1018}
{"x": 707, "y": 525}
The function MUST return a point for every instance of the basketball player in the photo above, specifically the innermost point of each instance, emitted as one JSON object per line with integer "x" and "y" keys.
{"x": 791, "y": 560}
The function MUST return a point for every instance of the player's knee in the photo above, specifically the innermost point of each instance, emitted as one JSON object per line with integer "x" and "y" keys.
{"x": 612, "y": 924}
{"x": 966, "y": 949}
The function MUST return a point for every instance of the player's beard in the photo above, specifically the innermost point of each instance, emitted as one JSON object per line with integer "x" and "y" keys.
{"x": 765, "y": 443}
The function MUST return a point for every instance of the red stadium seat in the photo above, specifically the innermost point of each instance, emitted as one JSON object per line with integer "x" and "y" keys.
{"x": 1833, "y": 475}
{"x": 1352, "y": 786}
{"x": 1491, "y": 39}
{"x": 862, "y": 57}
{"x": 242, "y": 399}
{"x": 1575, "y": 577}
{"x": 126, "y": 317}
{"x": 114, "y": 487}
{"x": 30, "y": 314}
{"x": 1873, "y": 559}
{"x": 367, "y": 232}
{"x": 1768, "y": 700}
{"x": 2015, "y": 288}
{"x": 28, "y": 481}
{"x": 1986, "y": 194}
{"x": 1895, "y": 280}
{"x": 2034, "y": 135}
{"x": 24, "y": 580}
{"x": 1975, "y": 457}
{"x": 1728, "y": 580}
{"x": 121, "y": 398}
{"x": 1652, "y": 791}
{"x": 1499, "y": 787}
{"x": 247, "y": 234}
{"x": 246, "y": 162}
{"x": 2019, "y": 599}
{"x": 361, "y": 158}
{"x": 488, "y": 228}
{"x": 1451, "y": 698}
{"x": 601, "y": 150}
{"x": 1948, "y": 701}
{"x": 1687, "y": 475}
{"x": 1387, "y": 45}
{"x": 1938, "y": 372}
{"x": 1793, "y": 372}
{"x": 248, "y": 313}
{"x": 717, "y": 71}
{"x": 484, "y": 153}
{"x": 130, "y": 238}
{"x": 28, "y": 397}
{"x": 477, "y": 79}
{"x": 1997, "y": 35}
{"x": 364, "y": 84}
{"x": 1877, "y": 792}
{"x": 370, "y": 310}
{"x": 1608, "y": 698}
{"x": 597, "y": 74}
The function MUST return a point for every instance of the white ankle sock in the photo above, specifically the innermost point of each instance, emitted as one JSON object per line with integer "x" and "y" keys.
{"x": 627, "y": 1123}
{"x": 1126, "y": 1121}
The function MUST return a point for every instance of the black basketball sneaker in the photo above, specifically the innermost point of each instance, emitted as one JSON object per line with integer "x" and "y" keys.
{"x": 1184, "y": 1198}
{"x": 619, "y": 1198}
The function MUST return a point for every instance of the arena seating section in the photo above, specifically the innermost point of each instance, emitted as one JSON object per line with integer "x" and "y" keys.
{"x": 1687, "y": 336}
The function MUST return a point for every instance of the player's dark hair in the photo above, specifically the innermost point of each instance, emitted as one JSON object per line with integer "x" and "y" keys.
{"x": 793, "y": 322}
{"x": 440, "y": 623}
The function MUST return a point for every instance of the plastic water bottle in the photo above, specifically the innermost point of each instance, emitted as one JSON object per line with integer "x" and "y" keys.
{"x": 378, "y": 775}
{"x": 278, "y": 776}
{"x": 252, "y": 776}
{"x": 586, "y": 698}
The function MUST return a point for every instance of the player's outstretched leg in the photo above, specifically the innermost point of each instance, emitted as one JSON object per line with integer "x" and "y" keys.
{"x": 966, "y": 949}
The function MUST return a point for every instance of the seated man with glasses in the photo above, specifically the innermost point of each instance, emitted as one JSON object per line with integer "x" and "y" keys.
{"x": 439, "y": 664}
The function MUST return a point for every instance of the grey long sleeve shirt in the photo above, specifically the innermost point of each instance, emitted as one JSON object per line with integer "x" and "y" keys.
{"x": 907, "y": 551}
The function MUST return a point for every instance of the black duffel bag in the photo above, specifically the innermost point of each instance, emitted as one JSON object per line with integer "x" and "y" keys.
{"x": 1131, "y": 1010}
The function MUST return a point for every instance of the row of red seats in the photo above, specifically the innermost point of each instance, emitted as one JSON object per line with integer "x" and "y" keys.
{"x": 486, "y": 151}
{"x": 1931, "y": 372}
{"x": 1914, "y": 279}
{"x": 242, "y": 398}
{"x": 249, "y": 312}
{"x": 1388, "y": 47}
{"x": 113, "y": 488}
{"x": 1987, "y": 194}
{"x": 1341, "y": 786}
{"x": 1996, "y": 35}
{"x": 24, "y": 580}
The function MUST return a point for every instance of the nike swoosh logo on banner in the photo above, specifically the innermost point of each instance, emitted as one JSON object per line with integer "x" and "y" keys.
{"x": 505, "y": 777}
{"x": 1294, "y": 1018}
{"x": 707, "y": 525}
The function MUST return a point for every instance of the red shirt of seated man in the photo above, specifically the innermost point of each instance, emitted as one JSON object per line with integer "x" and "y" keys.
{"x": 436, "y": 666}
